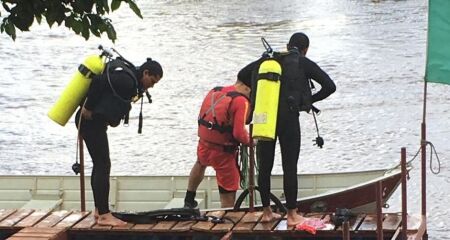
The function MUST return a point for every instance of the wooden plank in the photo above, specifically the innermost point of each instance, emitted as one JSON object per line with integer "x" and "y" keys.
{"x": 126, "y": 227}
{"x": 43, "y": 230}
{"x": 71, "y": 219}
{"x": 40, "y": 233}
{"x": 354, "y": 222}
{"x": 413, "y": 222}
{"x": 4, "y": 213}
{"x": 369, "y": 223}
{"x": 207, "y": 225}
{"x": 230, "y": 219}
{"x": 87, "y": 222}
{"x": 251, "y": 217}
{"x": 391, "y": 222}
{"x": 101, "y": 227}
{"x": 16, "y": 217}
{"x": 183, "y": 226}
{"x": 52, "y": 219}
{"x": 282, "y": 226}
{"x": 248, "y": 222}
{"x": 143, "y": 227}
{"x": 31, "y": 236}
{"x": 33, "y": 218}
{"x": 266, "y": 226}
{"x": 164, "y": 226}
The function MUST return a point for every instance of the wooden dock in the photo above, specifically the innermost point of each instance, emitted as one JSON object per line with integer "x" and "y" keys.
{"x": 26, "y": 224}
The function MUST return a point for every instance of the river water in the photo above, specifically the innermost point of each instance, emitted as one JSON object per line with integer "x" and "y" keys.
{"x": 374, "y": 51}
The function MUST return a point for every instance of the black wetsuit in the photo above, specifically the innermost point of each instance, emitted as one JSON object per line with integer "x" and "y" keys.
{"x": 287, "y": 131}
{"x": 107, "y": 110}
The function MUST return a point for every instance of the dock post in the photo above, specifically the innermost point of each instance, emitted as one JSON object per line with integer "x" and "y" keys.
{"x": 404, "y": 192}
{"x": 423, "y": 146}
{"x": 345, "y": 230}
{"x": 379, "y": 196}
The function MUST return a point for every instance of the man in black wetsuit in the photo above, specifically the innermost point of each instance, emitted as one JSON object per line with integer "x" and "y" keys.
{"x": 287, "y": 130}
{"x": 108, "y": 100}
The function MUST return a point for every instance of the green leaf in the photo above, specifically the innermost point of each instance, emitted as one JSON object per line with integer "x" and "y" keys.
{"x": 115, "y": 4}
{"x": 88, "y": 5}
{"x": 100, "y": 9}
{"x": 111, "y": 32}
{"x": 69, "y": 21}
{"x": 22, "y": 15}
{"x": 105, "y": 4}
{"x": 135, "y": 8}
{"x": 50, "y": 18}
{"x": 10, "y": 30}
{"x": 38, "y": 19}
{"x": 77, "y": 26}
{"x": 86, "y": 27}
{"x": 95, "y": 22}
{"x": 102, "y": 27}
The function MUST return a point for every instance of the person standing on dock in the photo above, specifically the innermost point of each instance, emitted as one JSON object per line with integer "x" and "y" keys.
{"x": 221, "y": 128}
{"x": 287, "y": 128}
{"x": 108, "y": 100}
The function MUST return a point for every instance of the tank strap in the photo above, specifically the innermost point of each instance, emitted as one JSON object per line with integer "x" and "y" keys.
{"x": 269, "y": 76}
{"x": 85, "y": 71}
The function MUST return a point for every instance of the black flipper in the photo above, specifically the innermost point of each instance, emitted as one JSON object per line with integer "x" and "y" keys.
{"x": 178, "y": 214}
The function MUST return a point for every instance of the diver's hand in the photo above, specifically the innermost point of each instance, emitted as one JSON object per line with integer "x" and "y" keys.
{"x": 86, "y": 114}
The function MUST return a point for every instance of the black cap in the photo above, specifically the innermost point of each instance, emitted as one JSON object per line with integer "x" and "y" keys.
{"x": 245, "y": 74}
{"x": 299, "y": 40}
{"x": 246, "y": 81}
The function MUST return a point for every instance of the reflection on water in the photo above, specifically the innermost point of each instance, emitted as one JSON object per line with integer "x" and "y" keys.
{"x": 375, "y": 52}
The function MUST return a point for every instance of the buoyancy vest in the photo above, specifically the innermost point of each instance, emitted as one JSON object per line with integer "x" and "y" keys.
{"x": 295, "y": 91}
{"x": 112, "y": 106}
{"x": 215, "y": 124}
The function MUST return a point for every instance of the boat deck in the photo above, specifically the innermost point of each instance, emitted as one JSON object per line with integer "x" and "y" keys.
{"x": 27, "y": 224}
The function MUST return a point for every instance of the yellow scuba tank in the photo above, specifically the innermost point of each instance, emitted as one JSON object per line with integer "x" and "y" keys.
{"x": 76, "y": 90}
{"x": 266, "y": 101}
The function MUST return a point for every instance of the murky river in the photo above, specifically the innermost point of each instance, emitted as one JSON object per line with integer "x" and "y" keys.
{"x": 375, "y": 52}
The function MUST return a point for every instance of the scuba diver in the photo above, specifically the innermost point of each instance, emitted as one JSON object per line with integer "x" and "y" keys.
{"x": 292, "y": 99}
{"x": 108, "y": 101}
{"x": 221, "y": 128}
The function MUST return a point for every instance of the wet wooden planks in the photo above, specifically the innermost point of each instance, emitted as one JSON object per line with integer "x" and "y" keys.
{"x": 237, "y": 222}
{"x": 24, "y": 218}
{"x": 33, "y": 233}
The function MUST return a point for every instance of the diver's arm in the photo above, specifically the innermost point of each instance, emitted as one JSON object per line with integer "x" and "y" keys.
{"x": 313, "y": 71}
{"x": 240, "y": 109}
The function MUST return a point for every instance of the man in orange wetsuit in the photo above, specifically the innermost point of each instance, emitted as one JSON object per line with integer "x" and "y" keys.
{"x": 221, "y": 128}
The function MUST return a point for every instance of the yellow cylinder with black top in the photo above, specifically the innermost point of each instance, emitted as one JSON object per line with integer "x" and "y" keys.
{"x": 266, "y": 101}
{"x": 76, "y": 90}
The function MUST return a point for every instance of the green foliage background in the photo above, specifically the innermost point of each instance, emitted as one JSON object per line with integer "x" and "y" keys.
{"x": 84, "y": 17}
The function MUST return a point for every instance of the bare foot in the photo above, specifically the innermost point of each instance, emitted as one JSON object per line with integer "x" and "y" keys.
{"x": 269, "y": 216}
{"x": 96, "y": 213}
{"x": 293, "y": 218}
{"x": 108, "y": 219}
